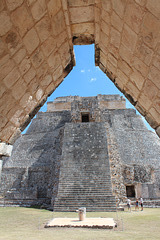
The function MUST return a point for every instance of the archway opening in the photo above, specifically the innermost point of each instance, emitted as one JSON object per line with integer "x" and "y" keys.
{"x": 86, "y": 79}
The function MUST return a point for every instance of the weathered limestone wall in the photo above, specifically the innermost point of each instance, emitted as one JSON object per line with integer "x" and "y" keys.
{"x": 60, "y": 106}
{"x": 116, "y": 165}
{"x": 111, "y": 102}
{"x": 5, "y": 149}
{"x": 32, "y": 173}
{"x": 82, "y": 21}
{"x": 35, "y": 56}
{"x": 134, "y": 153}
{"x": 85, "y": 105}
{"x": 127, "y": 50}
{"x": 90, "y": 105}
{"x": 36, "y": 53}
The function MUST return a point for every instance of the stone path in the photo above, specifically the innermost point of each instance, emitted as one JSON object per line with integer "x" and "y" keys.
{"x": 105, "y": 223}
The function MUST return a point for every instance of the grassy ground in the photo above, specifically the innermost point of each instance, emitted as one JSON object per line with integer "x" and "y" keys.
{"x": 28, "y": 224}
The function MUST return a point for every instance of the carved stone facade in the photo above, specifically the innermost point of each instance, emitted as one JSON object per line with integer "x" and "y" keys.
{"x": 83, "y": 145}
{"x": 36, "y": 53}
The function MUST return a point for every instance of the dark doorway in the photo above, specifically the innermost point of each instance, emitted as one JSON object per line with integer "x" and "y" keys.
{"x": 130, "y": 190}
{"x": 85, "y": 117}
{"x": 41, "y": 192}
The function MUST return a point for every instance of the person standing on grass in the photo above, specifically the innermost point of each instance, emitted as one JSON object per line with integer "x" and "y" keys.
{"x": 141, "y": 202}
{"x": 136, "y": 207}
{"x": 129, "y": 204}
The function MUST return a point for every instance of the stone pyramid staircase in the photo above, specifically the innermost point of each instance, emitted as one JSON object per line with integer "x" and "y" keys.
{"x": 31, "y": 174}
{"x": 85, "y": 172}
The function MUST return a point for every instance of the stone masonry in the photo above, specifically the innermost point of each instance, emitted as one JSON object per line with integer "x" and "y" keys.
{"x": 36, "y": 53}
{"x": 85, "y": 170}
{"x": 84, "y": 151}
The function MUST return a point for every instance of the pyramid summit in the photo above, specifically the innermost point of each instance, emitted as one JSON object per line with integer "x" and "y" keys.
{"x": 83, "y": 152}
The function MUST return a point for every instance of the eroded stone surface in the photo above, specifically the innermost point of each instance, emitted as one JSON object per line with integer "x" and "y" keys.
{"x": 5, "y": 150}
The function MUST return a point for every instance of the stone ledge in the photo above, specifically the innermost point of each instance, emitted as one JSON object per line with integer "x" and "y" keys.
{"x": 104, "y": 223}
{"x": 5, "y": 149}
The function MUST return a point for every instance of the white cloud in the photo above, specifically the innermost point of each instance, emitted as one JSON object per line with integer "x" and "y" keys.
{"x": 93, "y": 79}
{"x": 97, "y": 68}
{"x": 82, "y": 71}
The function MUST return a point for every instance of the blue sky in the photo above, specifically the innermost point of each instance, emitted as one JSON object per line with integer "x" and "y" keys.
{"x": 85, "y": 79}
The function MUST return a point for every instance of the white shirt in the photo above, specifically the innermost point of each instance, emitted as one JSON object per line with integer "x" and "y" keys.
{"x": 128, "y": 201}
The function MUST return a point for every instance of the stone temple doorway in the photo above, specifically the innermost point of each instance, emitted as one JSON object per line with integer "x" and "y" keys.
{"x": 85, "y": 117}
{"x": 130, "y": 191}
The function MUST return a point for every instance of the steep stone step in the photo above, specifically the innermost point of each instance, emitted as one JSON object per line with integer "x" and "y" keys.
{"x": 94, "y": 206}
{"x": 89, "y": 174}
{"x": 86, "y": 192}
{"x": 75, "y": 205}
{"x": 84, "y": 204}
{"x": 83, "y": 185}
{"x": 89, "y": 209}
{"x": 85, "y": 174}
{"x": 90, "y": 206}
{"x": 74, "y": 179}
{"x": 89, "y": 200}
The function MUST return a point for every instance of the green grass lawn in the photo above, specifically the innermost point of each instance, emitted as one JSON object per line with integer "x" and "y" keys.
{"x": 28, "y": 224}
